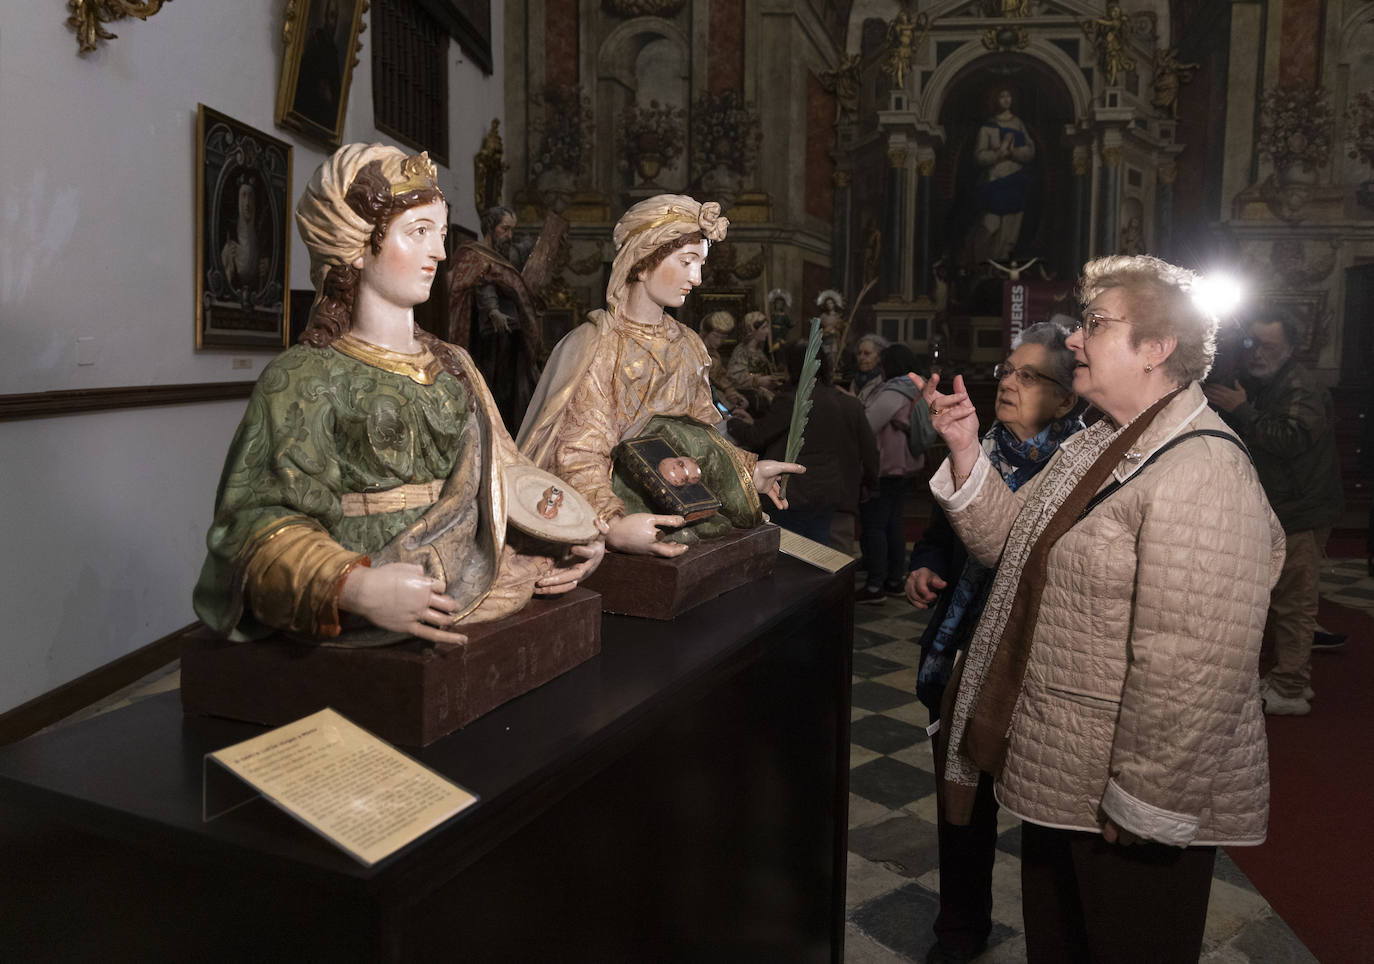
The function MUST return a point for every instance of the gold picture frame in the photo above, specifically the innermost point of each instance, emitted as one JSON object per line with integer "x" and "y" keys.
{"x": 243, "y": 242}
{"x": 322, "y": 41}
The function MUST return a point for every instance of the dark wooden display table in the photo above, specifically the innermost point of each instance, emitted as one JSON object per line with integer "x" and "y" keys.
{"x": 680, "y": 797}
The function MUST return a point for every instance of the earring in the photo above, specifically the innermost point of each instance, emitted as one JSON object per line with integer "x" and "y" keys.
{"x": 1149, "y": 368}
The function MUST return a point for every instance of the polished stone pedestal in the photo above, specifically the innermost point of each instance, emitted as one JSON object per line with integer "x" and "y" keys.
{"x": 659, "y": 588}
{"x": 409, "y": 693}
{"x": 681, "y": 796}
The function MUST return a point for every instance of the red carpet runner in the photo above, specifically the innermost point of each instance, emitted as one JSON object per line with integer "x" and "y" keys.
{"x": 1317, "y": 867}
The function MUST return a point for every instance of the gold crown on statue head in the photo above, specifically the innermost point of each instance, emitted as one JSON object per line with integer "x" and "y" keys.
{"x": 417, "y": 173}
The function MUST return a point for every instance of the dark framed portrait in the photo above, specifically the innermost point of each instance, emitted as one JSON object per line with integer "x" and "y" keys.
{"x": 317, "y": 67}
{"x": 243, "y": 220}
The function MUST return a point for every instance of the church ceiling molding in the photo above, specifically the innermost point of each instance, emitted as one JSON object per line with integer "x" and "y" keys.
{"x": 966, "y": 10}
{"x": 933, "y": 95}
{"x": 964, "y": 15}
{"x": 643, "y": 8}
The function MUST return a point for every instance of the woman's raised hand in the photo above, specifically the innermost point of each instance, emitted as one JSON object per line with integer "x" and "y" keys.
{"x": 952, "y": 415}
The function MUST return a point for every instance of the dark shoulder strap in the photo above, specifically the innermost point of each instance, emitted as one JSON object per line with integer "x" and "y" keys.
{"x": 1118, "y": 483}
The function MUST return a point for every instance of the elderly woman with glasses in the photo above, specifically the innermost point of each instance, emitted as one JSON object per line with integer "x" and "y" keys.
{"x": 1035, "y": 412}
{"x": 1111, "y": 688}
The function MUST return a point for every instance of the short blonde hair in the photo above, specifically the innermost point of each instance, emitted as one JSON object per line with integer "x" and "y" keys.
{"x": 753, "y": 321}
{"x": 1162, "y": 307}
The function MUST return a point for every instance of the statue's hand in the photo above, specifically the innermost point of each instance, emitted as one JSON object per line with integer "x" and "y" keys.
{"x": 400, "y": 597}
{"x": 577, "y": 564}
{"x": 766, "y": 473}
{"x": 500, "y": 321}
{"x": 638, "y": 533}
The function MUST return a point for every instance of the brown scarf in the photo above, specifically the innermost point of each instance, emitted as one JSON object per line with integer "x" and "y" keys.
{"x": 987, "y": 734}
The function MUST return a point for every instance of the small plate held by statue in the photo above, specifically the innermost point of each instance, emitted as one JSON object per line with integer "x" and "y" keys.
{"x": 546, "y": 507}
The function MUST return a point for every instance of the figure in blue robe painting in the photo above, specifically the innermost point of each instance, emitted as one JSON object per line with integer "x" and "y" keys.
{"x": 1005, "y": 155}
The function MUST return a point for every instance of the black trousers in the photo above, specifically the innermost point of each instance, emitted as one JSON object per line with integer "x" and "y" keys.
{"x": 1084, "y": 899}
{"x": 966, "y": 859}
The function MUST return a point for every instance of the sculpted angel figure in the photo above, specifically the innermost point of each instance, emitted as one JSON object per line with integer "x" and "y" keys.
{"x": 901, "y": 45}
{"x": 364, "y": 497}
{"x": 1170, "y": 75}
{"x": 1109, "y": 35}
{"x": 844, "y": 82}
{"x": 633, "y": 368}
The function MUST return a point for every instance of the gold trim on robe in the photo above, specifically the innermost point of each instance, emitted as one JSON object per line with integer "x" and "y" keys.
{"x": 421, "y": 367}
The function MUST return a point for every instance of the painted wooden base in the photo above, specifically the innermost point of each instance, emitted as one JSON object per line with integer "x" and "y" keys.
{"x": 411, "y": 693}
{"x": 658, "y": 588}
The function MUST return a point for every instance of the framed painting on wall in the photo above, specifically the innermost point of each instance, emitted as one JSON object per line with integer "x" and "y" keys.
{"x": 243, "y": 224}
{"x": 317, "y": 66}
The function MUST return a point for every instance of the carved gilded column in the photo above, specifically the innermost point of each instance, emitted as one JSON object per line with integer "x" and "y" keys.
{"x": 839, "y": 231}
{"x": 1164, "y": 209}
{"x": 893, "y": 254}
{"x": 925, "y": 170}
{"x": 1111, "y": 190}
{"x": 1079, "y": 239}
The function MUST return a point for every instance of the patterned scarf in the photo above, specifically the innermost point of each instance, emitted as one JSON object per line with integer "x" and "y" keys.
{"x": 1017, "y": 462}
{"x": 987, "y": 687}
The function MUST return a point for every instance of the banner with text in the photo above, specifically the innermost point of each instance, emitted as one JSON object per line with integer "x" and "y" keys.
{"x": 1026, "y": 302}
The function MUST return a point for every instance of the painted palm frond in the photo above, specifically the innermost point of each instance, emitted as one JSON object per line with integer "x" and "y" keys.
{"x": 801, "y": 405}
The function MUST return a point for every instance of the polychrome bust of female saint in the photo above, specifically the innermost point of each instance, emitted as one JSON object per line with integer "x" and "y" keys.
{"x": 632, "y": 369}
{"x": 365, "y": 488}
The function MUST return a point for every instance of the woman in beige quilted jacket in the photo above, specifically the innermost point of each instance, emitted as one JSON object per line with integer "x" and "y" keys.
{"x": 1111, "y": 687}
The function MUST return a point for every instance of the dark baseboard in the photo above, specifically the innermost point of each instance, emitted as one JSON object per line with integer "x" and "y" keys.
{"x": 28, "y": 718}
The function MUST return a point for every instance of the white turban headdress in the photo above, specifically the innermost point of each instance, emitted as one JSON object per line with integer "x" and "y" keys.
{"x": 333, "y": 232}
{"x": 653, "y": 222}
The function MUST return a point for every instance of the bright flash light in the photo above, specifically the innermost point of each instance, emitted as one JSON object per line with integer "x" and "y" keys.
{"x": 1218, "y": 294}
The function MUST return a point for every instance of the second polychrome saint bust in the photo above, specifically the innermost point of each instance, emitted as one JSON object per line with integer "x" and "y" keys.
{"x": 632, "y": 366}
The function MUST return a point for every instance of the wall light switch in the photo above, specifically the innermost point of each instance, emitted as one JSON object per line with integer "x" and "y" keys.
{"x": 241, "y": 363}
{"x": 87, "y": 350}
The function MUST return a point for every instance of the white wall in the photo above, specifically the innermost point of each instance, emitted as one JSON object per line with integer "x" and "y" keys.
{"x": 103, "y": 516}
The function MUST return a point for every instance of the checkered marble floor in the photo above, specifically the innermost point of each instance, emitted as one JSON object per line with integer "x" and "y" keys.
{"x": 893, "y": 883}
{"x": 1347, "y": 582}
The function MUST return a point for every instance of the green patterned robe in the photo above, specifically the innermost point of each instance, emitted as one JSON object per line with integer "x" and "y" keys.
{"x": 320, "y": 424}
